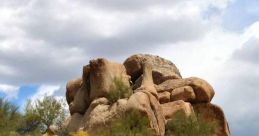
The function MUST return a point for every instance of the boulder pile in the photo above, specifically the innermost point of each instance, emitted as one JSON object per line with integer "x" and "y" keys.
{"x": 157, "y": 90}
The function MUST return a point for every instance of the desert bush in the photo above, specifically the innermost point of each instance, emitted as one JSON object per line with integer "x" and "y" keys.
{"x": 128, "y": 124}
{"x": 193, "y": 125}
{"x": 119, "y": 91}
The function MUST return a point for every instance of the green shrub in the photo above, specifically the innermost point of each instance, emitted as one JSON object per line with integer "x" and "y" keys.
{"x": 119, "y": 91}
{"x": 10, "y": 118}
{"x": 189, "y": 126}
{"x": 128, "y": 124}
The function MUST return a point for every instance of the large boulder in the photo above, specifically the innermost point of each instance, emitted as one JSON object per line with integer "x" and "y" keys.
{"x": 81, "y": 100}
{"x": 78, "y": 92}
{"x": 146, "y": 103}
{"x": 72, "y": 87}
{"x": 162, "y": 69}
{"x": 164, "y": 97}
{"x": 185, "y": 93}
{"x": 213, "y": 114}
{"x": 171, "y": 109}
{"x": 170, "y": 85}
{"x": 74, "y": 122}
{"x": 145, "y": 100}
{"x": 102, "y": 76}
{"x": 86, "y": 73}
{"x": 202, "y": 89}
{"x": 101, "y": 112}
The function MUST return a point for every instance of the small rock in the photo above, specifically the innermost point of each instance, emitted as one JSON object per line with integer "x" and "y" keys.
{"x": 164, "y": 97}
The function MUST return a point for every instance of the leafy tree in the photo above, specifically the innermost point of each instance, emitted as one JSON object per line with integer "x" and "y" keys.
{"x": 39, "y": 116}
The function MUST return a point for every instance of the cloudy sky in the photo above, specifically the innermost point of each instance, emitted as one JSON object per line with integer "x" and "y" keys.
{"x": 45, "y": 43}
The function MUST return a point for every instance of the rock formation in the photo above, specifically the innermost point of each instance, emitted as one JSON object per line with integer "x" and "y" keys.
{"x": 158, "y": 92}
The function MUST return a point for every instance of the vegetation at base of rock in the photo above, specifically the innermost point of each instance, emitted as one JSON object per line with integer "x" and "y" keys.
{"x": 131, "y": 123}
{"x": 119, "y": 91}
{"x": 35, "y": 120}
{"x": 189, "y": 126}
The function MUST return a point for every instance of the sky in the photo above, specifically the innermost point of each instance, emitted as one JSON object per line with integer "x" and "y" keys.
{"x": 45, "y": 43}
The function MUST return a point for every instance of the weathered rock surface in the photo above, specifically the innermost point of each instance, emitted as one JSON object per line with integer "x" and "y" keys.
{"x": 74, "y": 123}
{"x": 159, "y": 92}
{"x": 170, "y": 109}
{"x": 164, "y": 97}
{"x": 202, "y": 89}
{"x": 102, "y": 76}
{"x": 162, "y": 69}
{"x": 100, "y": 112}
{"x": 81, "y": 96}
{"x": 146, "y": 100}
{"x": 72, "y": 87}
{"x": 185, "y": 93}
{"x": 213, "y": 114}
{"x": 81, "y": 100}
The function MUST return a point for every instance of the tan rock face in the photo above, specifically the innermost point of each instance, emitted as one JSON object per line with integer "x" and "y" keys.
{"x": 185, "y": 93}
{"x": 170, "y": 109}
{"x": 202, "y": 89}
{"x": 162, "y": 69}
{"x": 72, "y": 87}
{"x": 101, "y": 113}
{"x": 164, "y": 97}
{"x": 75, "y": 122}
{"x": 86, "y": 73}
{"x": 102, "y": 76}
{"x": 170, "y": 85}
{"x": 213, "y": 113}
{"x": 81, "y": 100}
{"x": 146, "y": 101}
{"x": 159, "y": 93}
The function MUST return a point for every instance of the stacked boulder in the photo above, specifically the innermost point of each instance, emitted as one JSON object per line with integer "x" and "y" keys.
{"x": 159, "y": 91}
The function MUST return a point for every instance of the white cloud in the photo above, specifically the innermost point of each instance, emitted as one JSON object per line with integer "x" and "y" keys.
{"x": 9, "y": 90}
{"x": 44, "y": 90}
{"x": 55, "y": 40}
{"x": 50, "y": 90}
{"x": 237, "y": 86}
{"x": 236, "y": 92}
{"x": 251, "y": 31}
